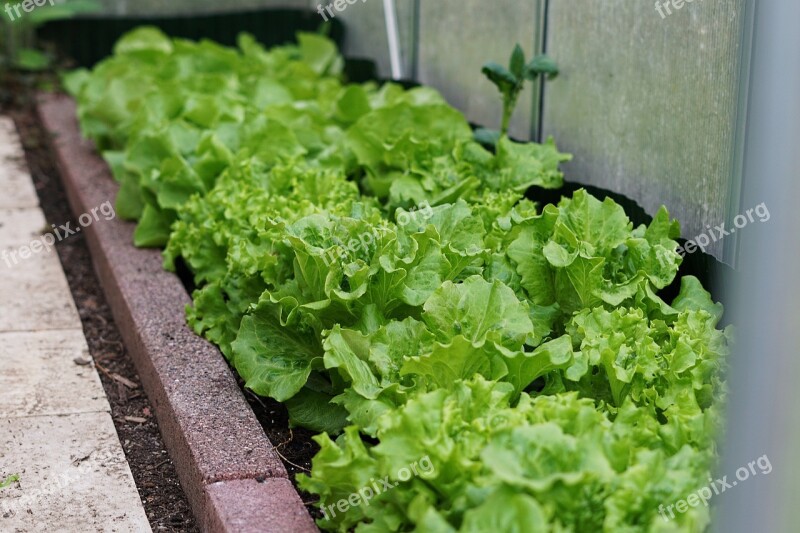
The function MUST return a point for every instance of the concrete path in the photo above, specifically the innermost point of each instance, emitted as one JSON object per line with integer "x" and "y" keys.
{"x": 60, "y": 456}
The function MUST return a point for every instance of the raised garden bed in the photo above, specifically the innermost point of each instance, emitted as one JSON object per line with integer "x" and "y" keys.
{"x": 228, "y": 468}
{"x": 561, "y": 327}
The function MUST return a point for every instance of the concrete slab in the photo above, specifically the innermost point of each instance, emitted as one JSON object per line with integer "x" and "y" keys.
{"x": 56, "y": 431}
{"x": 39, "y": 375}
{"x": 73, "y": 476}
{"x": 19, "y": 227}
{"x": 15, "y": 181}
{"x": 35, "y": 296}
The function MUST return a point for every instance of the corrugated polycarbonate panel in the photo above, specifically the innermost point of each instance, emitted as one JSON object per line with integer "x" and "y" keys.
{"x": 647, "y": 101}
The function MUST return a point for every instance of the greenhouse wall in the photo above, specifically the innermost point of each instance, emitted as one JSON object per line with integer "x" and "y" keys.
{"x": 650, "y": 105}
{"x": 648, "y": 101}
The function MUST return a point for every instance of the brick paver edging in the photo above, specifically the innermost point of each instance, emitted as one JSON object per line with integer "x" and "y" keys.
{"x": 229, "y": 470}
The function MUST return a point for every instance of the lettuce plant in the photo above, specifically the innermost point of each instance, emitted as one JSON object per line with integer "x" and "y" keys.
{"x": 524, "y": 350}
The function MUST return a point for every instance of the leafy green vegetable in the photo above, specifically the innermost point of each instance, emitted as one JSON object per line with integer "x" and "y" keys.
{"x": 359, "y": 257}
{"x": 555, "y": 460}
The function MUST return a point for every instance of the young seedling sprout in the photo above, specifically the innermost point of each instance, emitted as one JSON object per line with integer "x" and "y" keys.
{"x": 510, "y": 81}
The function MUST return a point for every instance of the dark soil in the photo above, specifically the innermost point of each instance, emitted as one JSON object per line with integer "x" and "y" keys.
{"x": 164, "y": 501}
{"x": 294, "y": 446}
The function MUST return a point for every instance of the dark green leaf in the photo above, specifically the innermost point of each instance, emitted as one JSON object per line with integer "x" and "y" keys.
{"x": 313, "y": 410}
{"x": 517, "y": 62}
{"x": 541, "y": 64}
{"x": 500, "y": 76}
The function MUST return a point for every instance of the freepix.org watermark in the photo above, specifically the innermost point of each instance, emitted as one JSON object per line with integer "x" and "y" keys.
{"x": 27, "y": 6}
{"x": 665, "y": 7}
{"x": 47, "y": 241}
{"x": 717, "y": 233}
{"x": 338, "y": 5}
{"x": 366, "y": 239}
{"x": 376, "y": 487}
{"x": 716, "y": 487}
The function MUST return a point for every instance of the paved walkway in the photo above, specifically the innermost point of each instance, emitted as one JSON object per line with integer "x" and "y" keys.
{"x": 56, "y": 432}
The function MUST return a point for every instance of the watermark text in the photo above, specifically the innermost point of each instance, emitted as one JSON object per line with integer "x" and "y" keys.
{"x": 48, "y": 240}
{"x": 717, "y": 233}
{"x": 715, "y": 488}
{"x": 377, "y": 487}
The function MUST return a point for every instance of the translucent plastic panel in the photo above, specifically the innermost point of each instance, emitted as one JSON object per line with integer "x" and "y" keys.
{"x": 649, "y": 104}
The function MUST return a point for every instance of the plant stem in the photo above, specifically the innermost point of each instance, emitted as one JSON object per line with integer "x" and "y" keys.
{"x": 509, "y": 103}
